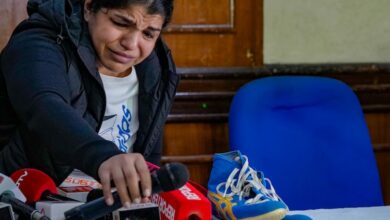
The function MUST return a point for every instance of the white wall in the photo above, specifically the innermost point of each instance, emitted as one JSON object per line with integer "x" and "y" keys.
{"x": 326, "y": 31}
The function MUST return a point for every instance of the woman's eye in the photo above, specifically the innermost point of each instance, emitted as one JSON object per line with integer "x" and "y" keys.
{"x": 148, "y": 35}
{"x": 120, "y": 24}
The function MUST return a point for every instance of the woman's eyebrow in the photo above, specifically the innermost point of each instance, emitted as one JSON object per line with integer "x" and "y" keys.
{"x": 124, "y": 18}
{"x": 131, "y": 21}
{"x": 154, "y": 29}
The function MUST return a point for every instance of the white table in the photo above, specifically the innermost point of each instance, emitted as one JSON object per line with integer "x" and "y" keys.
{"x": 366, "y": 213}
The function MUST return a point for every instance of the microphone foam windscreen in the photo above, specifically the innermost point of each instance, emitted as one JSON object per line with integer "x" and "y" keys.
{"x": 94, "y": 194}
{"x": 172, "y": 176}
{"x": 33, "y": 183}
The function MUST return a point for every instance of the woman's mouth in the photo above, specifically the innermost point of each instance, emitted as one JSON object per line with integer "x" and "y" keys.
{"x": 121, "y": 57}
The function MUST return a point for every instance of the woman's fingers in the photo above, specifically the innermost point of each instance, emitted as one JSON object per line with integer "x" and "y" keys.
{"x": 130, "y": 175}
{"x": 145, "y": 178}
{"x": 132, "y": 179}
{"x": 138, "y": 178}
{"x": 105, "y": 180}
{"x": 121, "y": 186}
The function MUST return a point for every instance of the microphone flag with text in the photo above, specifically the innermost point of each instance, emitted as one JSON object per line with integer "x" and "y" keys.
{"x": 10, "y": 194}
{"x": 184, "y": 203}
{"x": 41, "y": 190}
{"x": 37, "y": 185}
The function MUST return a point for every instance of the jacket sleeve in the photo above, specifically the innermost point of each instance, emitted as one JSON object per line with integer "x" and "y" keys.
{"x": 155, "y": 156}
{"x": 34, "y": 70}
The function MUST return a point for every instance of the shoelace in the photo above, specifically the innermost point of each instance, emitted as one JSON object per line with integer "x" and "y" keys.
{"x": 247, "y": 181}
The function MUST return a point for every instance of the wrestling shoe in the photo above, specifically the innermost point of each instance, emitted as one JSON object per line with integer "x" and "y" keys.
{"x": 236, "y": 191}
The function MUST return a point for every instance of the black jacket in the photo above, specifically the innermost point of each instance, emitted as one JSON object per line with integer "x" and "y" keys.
{"x": 52, "y": 100}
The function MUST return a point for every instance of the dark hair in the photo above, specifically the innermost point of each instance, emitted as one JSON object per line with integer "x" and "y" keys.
{"x": 160, "y": 7}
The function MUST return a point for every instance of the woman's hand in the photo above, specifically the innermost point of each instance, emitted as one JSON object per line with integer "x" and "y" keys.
{"x": 130, "y": 175}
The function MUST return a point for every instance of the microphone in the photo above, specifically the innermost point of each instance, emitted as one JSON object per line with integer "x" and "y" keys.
{"x": 21, "y": 208}
{"x": 10, "y": 194}
{"x": 94, "y": 194}
{"x": 169, "y": 177}
{"x": 37, "y": 185}
{"x": 97, "y": 194}
{"x": 188, "y": 202}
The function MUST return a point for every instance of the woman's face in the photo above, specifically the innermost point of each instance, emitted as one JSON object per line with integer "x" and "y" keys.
{"x": 122, "y": 37}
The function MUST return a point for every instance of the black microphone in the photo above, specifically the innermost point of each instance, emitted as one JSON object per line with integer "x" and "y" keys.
{"x": 97, "y": 194}
{"x": 21, "y": 208}
{"x": 168, "y": 177}
{"x": 94, "y": 194}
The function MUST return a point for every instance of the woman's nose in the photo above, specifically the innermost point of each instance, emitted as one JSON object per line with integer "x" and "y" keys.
{"x": 130, "y": 41}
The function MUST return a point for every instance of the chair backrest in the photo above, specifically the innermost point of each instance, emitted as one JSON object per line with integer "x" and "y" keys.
{"x": 308, "y": 135}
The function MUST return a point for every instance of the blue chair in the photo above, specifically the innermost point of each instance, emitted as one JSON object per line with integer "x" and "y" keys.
{"x": 308, "y": 135}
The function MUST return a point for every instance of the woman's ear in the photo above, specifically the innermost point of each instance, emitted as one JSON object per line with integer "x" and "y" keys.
{"x": 87, "y": 9}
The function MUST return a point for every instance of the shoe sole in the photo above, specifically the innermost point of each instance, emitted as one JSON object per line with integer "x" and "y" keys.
{"x": 277, "y": 214}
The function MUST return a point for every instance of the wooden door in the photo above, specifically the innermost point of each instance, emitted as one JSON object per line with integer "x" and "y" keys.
{"x": 216, "y": 33}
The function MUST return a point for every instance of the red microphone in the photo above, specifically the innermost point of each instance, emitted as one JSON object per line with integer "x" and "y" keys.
{"x": 184, "y": 203}
{"x": 37, "y": 185}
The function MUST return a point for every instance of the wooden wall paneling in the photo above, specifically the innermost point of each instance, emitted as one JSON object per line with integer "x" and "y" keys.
{"x": 197, "y": 138}
{"x": 193, "y": 144}
{"x": 379, "y": 128}
{"x": 383, "y": 159}
{"x": 379, "y": 124}
{"x": 208, "y": 92}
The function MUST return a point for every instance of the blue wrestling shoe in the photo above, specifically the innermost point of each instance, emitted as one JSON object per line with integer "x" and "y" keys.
{"x": 236, "y": 191}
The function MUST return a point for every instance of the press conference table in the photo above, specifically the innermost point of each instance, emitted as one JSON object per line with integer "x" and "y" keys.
{"x": 366, "y": 213}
